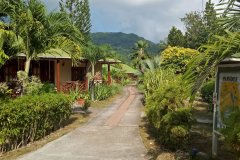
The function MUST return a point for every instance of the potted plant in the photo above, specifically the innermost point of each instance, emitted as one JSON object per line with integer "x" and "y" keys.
{"x": 84, "y": 101}
{"x": 80, "y": 100}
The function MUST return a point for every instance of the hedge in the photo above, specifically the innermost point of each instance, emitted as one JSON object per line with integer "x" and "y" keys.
{"x": 30, "y": 118}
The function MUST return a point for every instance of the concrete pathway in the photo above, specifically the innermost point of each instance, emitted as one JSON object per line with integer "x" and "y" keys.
{"x": 112, "y": 135}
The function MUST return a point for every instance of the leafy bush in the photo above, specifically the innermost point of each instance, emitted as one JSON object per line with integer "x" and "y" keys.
{"x": 30, "y": 118}
{"x": 177, "y": 58}
{"x": 174, "y": 128}
{"x": 232, "y": 131}
{"x": 165, "y": 95}
{"x": 207, "y": 91}
{"x": 48, "y": 88}
{"x": 87, "y": 103}
{"x": 33, "y": 86}
{"x": 30, "y": 85}
{"x": 103, "y": 91}
{"x": 157, "y": 79}
{"x": 4, "y": 91}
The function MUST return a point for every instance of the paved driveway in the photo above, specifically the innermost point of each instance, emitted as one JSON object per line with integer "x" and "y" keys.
{"x": 112, "y": 135}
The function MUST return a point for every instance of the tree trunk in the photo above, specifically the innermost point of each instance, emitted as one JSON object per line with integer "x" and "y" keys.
{"x": 27, "y": 65}
{"x": 92, "y": 83}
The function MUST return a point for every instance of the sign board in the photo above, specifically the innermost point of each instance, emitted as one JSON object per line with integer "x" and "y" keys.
{"x": 226, "y": 98}
{"x": 229, "y": 94}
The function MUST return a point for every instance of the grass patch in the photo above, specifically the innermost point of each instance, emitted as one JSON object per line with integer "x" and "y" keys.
{"x": 105, "y": 103}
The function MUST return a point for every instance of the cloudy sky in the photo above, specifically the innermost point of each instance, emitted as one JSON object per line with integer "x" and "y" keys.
{"x": 150, "y": 19}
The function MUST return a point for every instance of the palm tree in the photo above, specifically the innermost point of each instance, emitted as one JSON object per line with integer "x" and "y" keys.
{"x": 139, "y": 54}
{"x": 41, "y": 32}
{"x": 152, "y": 64}
{"x": 215, "y": 51}
{"x": 93, "y": 54}
{"x": 10, "y": 44}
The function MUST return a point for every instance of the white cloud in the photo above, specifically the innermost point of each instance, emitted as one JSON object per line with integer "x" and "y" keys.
{"x": 138, "y": 2}
{"x": 151, "y": 19}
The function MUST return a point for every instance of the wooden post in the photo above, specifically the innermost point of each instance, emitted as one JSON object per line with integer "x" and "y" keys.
{"x": 215, "y": 120}
{"x": 109, "y": 74}
{"x": 58, "y": 76}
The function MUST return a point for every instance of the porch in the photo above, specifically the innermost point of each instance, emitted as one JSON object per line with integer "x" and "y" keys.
{"x": 56, "y": 69}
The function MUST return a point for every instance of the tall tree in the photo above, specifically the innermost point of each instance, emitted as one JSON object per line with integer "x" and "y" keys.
{"x": 41, "y": 32}
{"x": 175, "y": 37}
{"x": 139, "y": 55}
{"x": 162, "y": 45}
{"x": 210, "y": 19}
{"x": 195, "y": 34}
{"x": 79, "y": 13}
{"x": 200, "y": 28}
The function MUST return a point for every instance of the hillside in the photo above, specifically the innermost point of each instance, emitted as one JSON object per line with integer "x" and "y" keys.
{"x": 122, "y": 42}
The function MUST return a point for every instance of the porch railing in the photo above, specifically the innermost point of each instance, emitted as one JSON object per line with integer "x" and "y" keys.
{"x": 72, "y": 86}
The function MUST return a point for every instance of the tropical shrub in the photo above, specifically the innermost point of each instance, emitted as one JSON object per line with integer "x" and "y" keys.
{"x": 155, "y": 79}
{"x": 4, "y": 91}
{"x": 77, "y": 94}
{"x": 103, "y": 91}
{"x": 177, "y": 58}
{"x": 30, "y": 118}
{"x": 232, "y": 131}
{"x": 175, "y": 128}
{"x": 48, "y": 88}
{"x": 29, "y": 85}
{"x": 207, "y": 91}
{"x": 166, "y": 95}
{"x": 32, "y": 86}
{"x": 87, "y": 103}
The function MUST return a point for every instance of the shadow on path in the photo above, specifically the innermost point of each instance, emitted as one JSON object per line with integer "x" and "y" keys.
{"x": 112, "y": 135}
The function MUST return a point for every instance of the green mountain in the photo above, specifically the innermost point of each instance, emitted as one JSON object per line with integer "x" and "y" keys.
{"x": 122, "y": 42}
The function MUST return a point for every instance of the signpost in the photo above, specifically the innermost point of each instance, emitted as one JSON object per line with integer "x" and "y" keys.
{"x": 226, "y": 97}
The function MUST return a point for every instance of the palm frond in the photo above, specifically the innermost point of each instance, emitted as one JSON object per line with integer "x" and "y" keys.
{"x": 62, "y": 45}
{"x": 214, "y": 52}
{"x": 10, "y": 44}
{"x": 152, "y": 64}
{"x": 230, "y": 15}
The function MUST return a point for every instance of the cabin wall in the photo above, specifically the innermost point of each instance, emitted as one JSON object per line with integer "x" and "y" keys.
{"x": 65, "y": 71}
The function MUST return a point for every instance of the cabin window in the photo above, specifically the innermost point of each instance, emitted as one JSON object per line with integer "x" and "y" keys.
{"x": 78, "y": 73}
